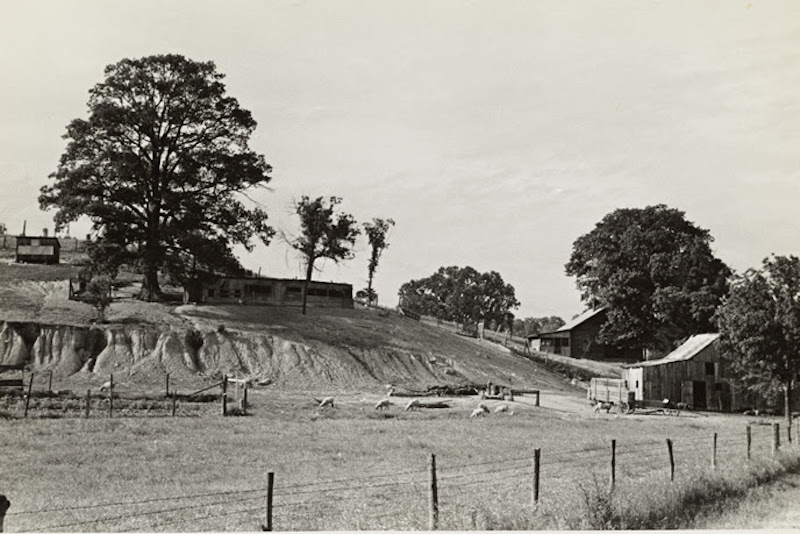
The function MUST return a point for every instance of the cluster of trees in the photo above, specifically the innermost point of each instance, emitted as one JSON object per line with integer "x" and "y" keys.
{"x": 654, "y": 271}
{"x": 462, "y": 295}
{"x": 530, "y": 326}
{"x": 163, "y": 169}
{"x": 326, "y": 234}
{"x": 759, "y": 325}
{"x": 656, "y": 274}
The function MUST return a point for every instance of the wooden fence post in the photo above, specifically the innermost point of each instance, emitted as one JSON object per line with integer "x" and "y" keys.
{"x": 4, "y": 505}
{"x": 671, "y": 461}
{"x": 537, "y": 456}
{"x": 538, "y": 394}
{"x": 111, "y": 396}
{"x": 613, "y": 479}
{"x": 270, "y": 484}
{"x": 88, "y": 401}
{"x": 749, "y": 441}
{"x": 166, "y": 387}
{"x": 224, "y": 394}
{"x": 174, "y": 402}
{"x": 776, "y": 438}
{"x": 714, "y": 453}
{"x": 28, "y": 396}
{"x": 433, "y": 511}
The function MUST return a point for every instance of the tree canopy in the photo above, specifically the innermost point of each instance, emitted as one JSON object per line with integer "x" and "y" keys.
{"x": 162, "y": 165}
{"x": 759, "y": 325}
{"x": 530, "y": 326}
{"x": 376, "y": 234}
{"x": 654, "y": 271}
{"x": 462, "y": 295}
{"x": 324, "y": 234}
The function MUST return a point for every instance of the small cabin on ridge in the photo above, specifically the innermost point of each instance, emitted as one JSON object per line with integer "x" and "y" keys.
{"x": 38, "y": 249}
{"x": 268, "y": 292}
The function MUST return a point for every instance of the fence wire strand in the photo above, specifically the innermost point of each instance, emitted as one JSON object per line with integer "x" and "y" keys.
{"x": 325, "y": 497}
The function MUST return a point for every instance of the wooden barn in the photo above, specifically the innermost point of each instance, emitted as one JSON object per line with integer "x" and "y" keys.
{"x": 269, "y": 292}
{"x": 578, "y": 339}
{"x": 693, "y": 373}
{"x": 39, "y": 249}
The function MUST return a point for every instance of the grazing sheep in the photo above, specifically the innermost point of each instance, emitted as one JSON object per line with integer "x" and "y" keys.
{"x": 327, "y": 401}
{"x": 477, "y": 412}
{"x": 603, "y": 405}
{"x": 106, "y": 386}
{"x": 413, "y": 404}
{"x": 383, "y": 404}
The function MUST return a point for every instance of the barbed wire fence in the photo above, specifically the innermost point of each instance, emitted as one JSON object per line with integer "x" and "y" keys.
{"x": 36, "y": 397}
{"x": 447, "y": 495}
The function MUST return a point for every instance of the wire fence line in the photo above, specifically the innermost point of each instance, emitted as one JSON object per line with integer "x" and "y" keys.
{"x": 38, "y": 398}
{"x": 401, "y": 497}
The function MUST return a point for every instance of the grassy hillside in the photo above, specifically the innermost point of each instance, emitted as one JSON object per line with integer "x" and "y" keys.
{"x": 349, "y": 345}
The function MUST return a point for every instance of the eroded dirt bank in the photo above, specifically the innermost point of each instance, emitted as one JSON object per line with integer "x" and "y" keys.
{"x": 149, "y": 351}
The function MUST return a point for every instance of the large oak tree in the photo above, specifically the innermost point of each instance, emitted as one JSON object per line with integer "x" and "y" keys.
{"x": 654, "y": 271}
{"x": 162, "y": 167}
{"x": 759, "y": 325}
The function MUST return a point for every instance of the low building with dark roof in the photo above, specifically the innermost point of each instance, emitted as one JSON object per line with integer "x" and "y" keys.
{"x": 578, "y": 339}
{"x": 268, "y": 292}
{"x": 38, "y": 249}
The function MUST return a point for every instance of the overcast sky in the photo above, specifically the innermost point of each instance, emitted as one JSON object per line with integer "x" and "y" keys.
{"x": 493, "y": 133}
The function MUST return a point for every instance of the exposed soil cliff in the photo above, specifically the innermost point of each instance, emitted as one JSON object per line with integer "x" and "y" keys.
{"x": 350, "y": 349}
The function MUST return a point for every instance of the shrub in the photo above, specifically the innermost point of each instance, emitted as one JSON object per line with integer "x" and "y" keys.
{"x": 194, "y": 339}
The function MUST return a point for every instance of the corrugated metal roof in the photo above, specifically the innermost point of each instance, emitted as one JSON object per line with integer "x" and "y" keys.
{"x": 688, "y": 350}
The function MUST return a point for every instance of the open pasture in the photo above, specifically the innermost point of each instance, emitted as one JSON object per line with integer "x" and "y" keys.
{"x": 350, "y": 467}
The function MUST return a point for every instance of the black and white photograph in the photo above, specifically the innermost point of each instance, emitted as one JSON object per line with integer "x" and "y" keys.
{"x": 399, "y": 265}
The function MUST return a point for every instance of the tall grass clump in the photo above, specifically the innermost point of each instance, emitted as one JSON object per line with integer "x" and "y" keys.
{"x": 646, "y": 503}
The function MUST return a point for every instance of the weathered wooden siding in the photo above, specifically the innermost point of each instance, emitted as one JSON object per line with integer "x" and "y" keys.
{"x": 272, "y": 292}
{"x": 608, "y": 389}
{"x": 699, "y": 382}
{"x": 38, "y": 249}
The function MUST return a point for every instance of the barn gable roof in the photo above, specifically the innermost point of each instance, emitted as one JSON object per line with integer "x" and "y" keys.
{"x": 582, "y": 318}
{"x": 688, "y": 350}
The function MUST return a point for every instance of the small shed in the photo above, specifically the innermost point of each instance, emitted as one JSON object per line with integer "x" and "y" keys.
{"x": 693, "y": 373}
{"x": 578, "y": 339}
{"x": 38, "y": 249}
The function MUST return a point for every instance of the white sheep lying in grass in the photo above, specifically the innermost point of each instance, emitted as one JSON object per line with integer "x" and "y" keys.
{"x": 483, "y": 407}
{"x": 478, "y": 412}
{"x": 383, "y": 404}
{"x": 413, "y": 404}
{"x": 501, "y": 408}
{"x": 106, "y": 386}
{"x": 327, "y": 401}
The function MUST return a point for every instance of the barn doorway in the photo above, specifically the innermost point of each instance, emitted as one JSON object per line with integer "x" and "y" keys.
{"x": 699, "y": 394}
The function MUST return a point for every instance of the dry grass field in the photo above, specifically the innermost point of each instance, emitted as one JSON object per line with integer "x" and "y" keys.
{"x": 350, "y": 467}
